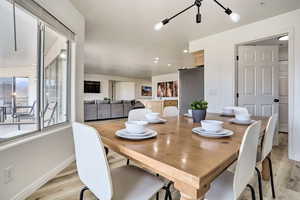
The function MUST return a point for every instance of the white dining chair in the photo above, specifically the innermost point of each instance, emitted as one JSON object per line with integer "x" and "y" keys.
{"x": 229, "y": 186}
{"x": 266, "y": 149}
{"x": 123, "y": 183}
{"x": 138, "y": 114}
{"x": 170, "y": 111}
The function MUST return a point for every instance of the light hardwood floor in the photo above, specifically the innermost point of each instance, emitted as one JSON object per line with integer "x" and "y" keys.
{"x": 66, "y": 185}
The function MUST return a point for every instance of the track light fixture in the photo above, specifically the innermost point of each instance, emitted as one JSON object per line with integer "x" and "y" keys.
{"x": 233, "y": 16}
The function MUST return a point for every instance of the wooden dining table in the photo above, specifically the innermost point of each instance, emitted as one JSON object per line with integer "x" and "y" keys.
{"x": 191, "y": 161}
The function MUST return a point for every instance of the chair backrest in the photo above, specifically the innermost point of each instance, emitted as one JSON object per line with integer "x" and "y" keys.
{"x": 171, "y": 111}
{"x": 137, "y": 114}
{"x": 247, "y": 159}
{"x": 49, "y": 112}
{"x": 31, "y": 111}
{"x": 269, "y": 136}
{"x": 91, "y": 161}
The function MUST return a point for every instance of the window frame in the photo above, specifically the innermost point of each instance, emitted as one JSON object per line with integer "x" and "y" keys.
{"x": 40, "y": 68}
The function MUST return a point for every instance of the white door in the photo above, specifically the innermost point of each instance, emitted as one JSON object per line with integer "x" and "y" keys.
{"x": 258, "y": 83}
{"x": 283, "y": 96}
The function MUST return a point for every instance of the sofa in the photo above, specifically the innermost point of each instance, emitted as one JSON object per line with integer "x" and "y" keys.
{"x": 105, "y": 109}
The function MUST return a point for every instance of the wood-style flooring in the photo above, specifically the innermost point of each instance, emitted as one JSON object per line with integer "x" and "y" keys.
{"x": 66, "y": 185}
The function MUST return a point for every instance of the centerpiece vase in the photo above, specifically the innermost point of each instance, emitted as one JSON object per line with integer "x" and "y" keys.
{"x": 199, "y": 115}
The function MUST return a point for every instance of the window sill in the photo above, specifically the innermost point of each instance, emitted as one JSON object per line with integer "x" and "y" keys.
{"x": 33, "y": 136}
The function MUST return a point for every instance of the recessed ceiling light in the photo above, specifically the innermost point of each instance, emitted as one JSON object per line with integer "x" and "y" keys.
{"x": 284, "y": 38}
{"x": 185, "y": 51}
{"x": 155, "y": 61}
{"x": 169, "y": 65}
{"x": 156, "y": 58}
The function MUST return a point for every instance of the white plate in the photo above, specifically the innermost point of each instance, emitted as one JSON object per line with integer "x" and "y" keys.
{"x": 188, "y": 115}
{"x": 148, "y": 134}
{"x": 126, "y": 132}
{"x": 225, "y": 133}
{"x": 221, "y": 132}
{"x": 235, "y": 121}
{"x": 158, "y": 121}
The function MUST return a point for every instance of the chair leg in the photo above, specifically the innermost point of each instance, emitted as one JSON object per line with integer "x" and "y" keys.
{"x": 168, "y": 191}
{"x": 106, "y": 150}
{"x": 128, "y": 162}
{"x": 272, "y": 178}
{"x": 82, "y": 192}
{"x": 157, "y": 196}
{"x": 252, "y": 191}
{"x": 19, "y": 126}
{"x": 259, "y": 184}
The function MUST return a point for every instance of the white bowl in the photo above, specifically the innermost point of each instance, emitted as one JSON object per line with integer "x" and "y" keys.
{"x": 243, "y": 117}
{"x": 212, "y": 125}
{"x": 190, "y": 111}
{"x": 136, "y": 127}
{"x": 228, "y": 110}
{"x": 152, "y": 116}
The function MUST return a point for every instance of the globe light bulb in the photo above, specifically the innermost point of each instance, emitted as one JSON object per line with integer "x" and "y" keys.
{"x": 158, "y": 26}
{"x": 235, "y": 17}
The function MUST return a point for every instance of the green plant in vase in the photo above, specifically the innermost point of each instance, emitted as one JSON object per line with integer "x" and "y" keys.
{"x": 199, "y": 110}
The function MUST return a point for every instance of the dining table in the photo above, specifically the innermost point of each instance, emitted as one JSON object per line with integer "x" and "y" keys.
{"x": 192, "y": 162}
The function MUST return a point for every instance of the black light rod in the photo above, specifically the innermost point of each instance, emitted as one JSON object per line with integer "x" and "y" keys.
{"x": 182, "y": 12}
{"x": 220, "y": 4}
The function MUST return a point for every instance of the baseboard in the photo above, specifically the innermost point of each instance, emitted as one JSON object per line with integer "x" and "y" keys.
{"x": 30, "y": 189}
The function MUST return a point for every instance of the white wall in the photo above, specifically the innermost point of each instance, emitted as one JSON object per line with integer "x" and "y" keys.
{"x": 104, "y": 79}
{"x": 125, "y": 90}
{"x": 40, "y": 157}
{"x": 220, "y": 65}
{"x": 163, "y": 78}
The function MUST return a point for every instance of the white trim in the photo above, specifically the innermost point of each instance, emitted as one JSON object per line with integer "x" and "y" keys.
{"x": 291, "y": 74}
{"x": 291, "y": 70}
{"x": 30, "y": 189}
{"x": 32, "y": 136}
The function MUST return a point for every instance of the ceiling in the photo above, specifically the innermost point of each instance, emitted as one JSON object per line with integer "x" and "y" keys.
{"x": 26, "y": 29}
{"x": 120, "y": 39}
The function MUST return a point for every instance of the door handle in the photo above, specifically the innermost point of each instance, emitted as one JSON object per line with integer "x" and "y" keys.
{"x": 276, "y": 100}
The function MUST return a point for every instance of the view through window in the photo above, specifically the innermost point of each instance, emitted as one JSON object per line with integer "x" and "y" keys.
{"x": 33, "y": 94}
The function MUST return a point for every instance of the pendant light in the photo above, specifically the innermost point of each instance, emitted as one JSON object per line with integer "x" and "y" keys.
{"x": 233, "y": 16}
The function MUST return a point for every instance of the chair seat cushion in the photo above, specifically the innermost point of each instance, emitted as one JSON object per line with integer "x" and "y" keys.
{"x": 132, "y": 183}
{"x": 222, "y": 187}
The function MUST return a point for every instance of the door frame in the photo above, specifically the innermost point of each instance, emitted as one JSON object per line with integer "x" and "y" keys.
{"x": 291, "y": 81}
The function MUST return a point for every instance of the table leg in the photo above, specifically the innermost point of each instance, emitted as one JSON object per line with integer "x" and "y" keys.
{"x": 266, "y": 169}
{"x": 188, "y": 192}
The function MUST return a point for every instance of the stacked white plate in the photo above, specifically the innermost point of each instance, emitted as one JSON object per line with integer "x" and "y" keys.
{"x": 211, "y": 134}
{"x": 241, "y": 122}
{"x": 188, "y": 115}
{"x": 157, "y": 121}
{"x": 123, "y": 133}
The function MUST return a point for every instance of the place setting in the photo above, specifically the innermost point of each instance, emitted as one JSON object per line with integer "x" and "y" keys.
{"x": 212, "y": 129}
{"x": 228, "y": 112}
{"x": 136, "y": 130}
{"x": 154, "y": 118}
{"x": 242, "y": 118}
{"x": 189, "y": 114}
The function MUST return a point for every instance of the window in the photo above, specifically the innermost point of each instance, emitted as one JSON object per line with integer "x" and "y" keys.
{"x": 34, "y": 68}
{"x": 55, "y": 77}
